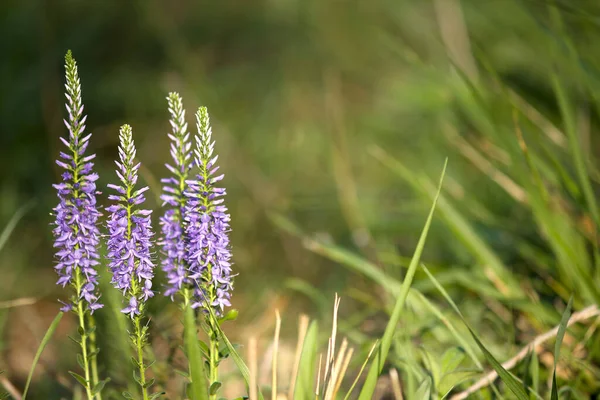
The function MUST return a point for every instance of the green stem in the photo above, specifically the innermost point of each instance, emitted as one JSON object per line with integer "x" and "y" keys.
{"x": 139, "y": 343}
{"x": 214, "y": 358}
{"x": 83, "y": 341}
{"x": 94, "y": 358}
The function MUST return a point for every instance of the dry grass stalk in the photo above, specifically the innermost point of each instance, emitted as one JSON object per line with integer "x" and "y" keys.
{"x": 395, "y": 379}
{"x": 275, "y": 354}
{"x": 253, "y": 361}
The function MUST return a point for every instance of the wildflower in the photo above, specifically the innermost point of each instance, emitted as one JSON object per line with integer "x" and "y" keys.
{"x": 129, "y": 231}
{"x": 208, "y": 250}
{"x": 173, "y": 197}
{"x": 76, "y": 235}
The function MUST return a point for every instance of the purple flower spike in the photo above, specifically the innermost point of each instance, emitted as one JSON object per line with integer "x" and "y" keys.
{"x": 76, "y": 235}
{"x": 130, "y": 232}
{"x": 172, "y": 224}
{"x": 207, "y": 226}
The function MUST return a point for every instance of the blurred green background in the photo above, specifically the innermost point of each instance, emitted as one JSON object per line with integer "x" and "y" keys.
{"x": 310, "y": 101}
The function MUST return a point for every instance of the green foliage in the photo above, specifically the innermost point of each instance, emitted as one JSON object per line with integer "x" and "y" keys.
{"x": 312, "y": 99}
{"x": 386, "y": 342}
{"x": 562, "y": 328}
{"x": 304, "y": 387}
{"x": 42, "y": 346}
{"x": 198, "y": 388}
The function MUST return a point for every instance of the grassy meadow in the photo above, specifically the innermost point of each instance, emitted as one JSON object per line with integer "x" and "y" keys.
{"x": 334, "y": 123}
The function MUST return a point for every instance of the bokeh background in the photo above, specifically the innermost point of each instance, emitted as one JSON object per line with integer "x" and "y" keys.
{"x": 310, "y": 101}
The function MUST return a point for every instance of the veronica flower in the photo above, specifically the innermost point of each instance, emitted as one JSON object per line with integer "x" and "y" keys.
{"x": 75, "y": 232}
{"x": 130, "y": 232}
{"x": 208, "y": 251}
{"x": 172, "y": 224}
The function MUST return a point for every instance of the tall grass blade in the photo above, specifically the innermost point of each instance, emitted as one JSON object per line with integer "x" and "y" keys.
{"x": 198, "y": 385}
{"x": 386, "y": 342}
{"x": 562, "y": 328}
{"x": 304, "y": 389}
{"x": 505, "y": 282}
{"x": 10, "y": 227}
{"x": 45, "y": 340}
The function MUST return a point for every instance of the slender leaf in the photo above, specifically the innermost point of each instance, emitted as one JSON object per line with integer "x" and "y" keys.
{"x": 386, "y": 342}
{"x": 237, "y": 359}
{"x": 198, "y": 385}
{"x": 562, "y": 328}
{"x": 45, "y": 340}
{"x": 10, "y": 227}
{"x": 304, "y": 388}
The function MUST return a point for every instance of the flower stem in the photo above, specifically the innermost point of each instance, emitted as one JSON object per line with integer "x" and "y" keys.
{"x": 84, "y": 336}
{"x": 139, "y": 343}
{"x": 213, "y": 362}
{"x": 94, "y": 357}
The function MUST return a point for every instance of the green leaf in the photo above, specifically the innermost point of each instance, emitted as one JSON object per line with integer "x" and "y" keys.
{"x": 231, "y": 315}
{"x": 45, "y": 340}
{"x": 304, "y": 387}
{"x": 204, "y": 349}
{"x": 452, "y": 359}
{"x": 185, "y": 374}
{"x": 214, "y": 388}
{"x": 79, "y": 379}
{"x": 128, "y": 396}
{"x": 237, "y": 359}
{"x": 99, "y": 386}
{"x": 562, "y": 327}
{"x": 149, "y": 383}
{"x": 77, "y": 342}
{"x": 198, "y": 387}
{"x": 452, "y": 379}
{"x": 424, "y": 391}
{"x": 136, "y": 377}
{"x": 386, "y": 342}
{"x": 510, "y": 381}
{"x": 90, "y": 330}
{"x": 534, "y": 372}
{"x": 156, "y": 395}
{"x": 80, "y": 361}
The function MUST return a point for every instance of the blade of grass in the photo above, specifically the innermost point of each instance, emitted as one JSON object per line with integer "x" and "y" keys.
{"x": 10, "y": 227}
{"x": 302, "y": 330}
{"x": 199, "y": 387}
{"x": 40, "y": 349}
{"x": 562, "y": 328}
{"x": 504, "y": 281}
{"x": 306, "y": 370}
{"x": 386, "y": 342}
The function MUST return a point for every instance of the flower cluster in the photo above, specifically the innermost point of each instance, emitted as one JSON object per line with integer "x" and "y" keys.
{"x": 208, "y": 250}
{"x": 129, "y": 231}
{"x": 172, "y": 241}
{"x": 76, "y": 235}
